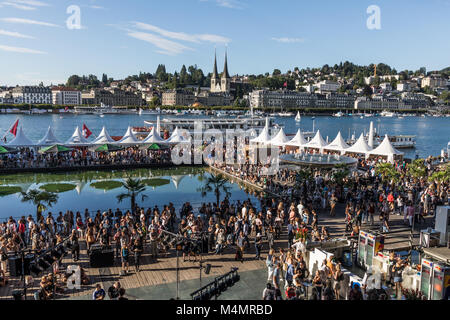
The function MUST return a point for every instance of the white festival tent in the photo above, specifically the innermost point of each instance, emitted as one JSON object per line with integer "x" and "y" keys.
{"x": 154, "y": 137}
{"x": 360, "y": 146}
{"x": 317, "y": 142}
{"x": 49, "y": 139}
{"x": 280, "y": 139}
{"x": 386, "y": 149}
{"x": 298, "y": 141}
{"x": 263, "y": 138}
{"x": 77, "y": 139}
{"x": 103, "y": 138}
{"x": 338, "y": 144}
{"x": 21, "y": 140}
{"x": 129, "y": 138}
{"x": 176, "y": 137}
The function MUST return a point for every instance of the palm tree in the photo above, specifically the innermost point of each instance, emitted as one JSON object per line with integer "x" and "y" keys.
{"x": 340, "y": 173}
{"x": 134, "y": 187}
{"x": 216, "y": 184}
{"x": 41, "y": 199}
{"x": 417, "y": 169}
{"x": 387, "y": 172}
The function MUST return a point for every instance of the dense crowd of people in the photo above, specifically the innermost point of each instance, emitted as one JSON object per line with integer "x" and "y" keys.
{"x": 82, "y": 157}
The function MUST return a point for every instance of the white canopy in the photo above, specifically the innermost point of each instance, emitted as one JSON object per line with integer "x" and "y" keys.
{"x": 385, "y": 149}
{"x": 263, "y": 138}
{"x": 280, "y": 139}
{"x": 49, "y": 139}
{"x": 154, "y": 137}
{"x": 129, "y": 138}
{"x": 21, "y": 140}
{"x": 316, "y": 142}
{"x": 103, "y": 138}
{"x": 176, "y": 180}
{"x": 77, "y": 139}
{"x": 360, "y": 146}
{"x": 338, "y": 144}
{"x": 297, "y": 141}
{"x": 176, "y": 137}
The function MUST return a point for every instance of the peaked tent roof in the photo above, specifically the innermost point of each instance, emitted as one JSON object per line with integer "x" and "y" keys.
{"x": 20, "y": 140}
{"x": 153, "y": 137}
{"x": 316, "y": 142}
{"x": 280, "y": 139}
{"x": 360, "y": 146}
{"x": 77, "y": 138}
{"x": 129, "y": 138}
{"x": 103, "y": 137}
{"x": 385, "y": 148}
{"x": 263, "y": 138}
{"x": 49, "y": 139}
{"x": 338, "y": 143}
{"x": 176, "y": 137}
{"x": 298, "y": 141}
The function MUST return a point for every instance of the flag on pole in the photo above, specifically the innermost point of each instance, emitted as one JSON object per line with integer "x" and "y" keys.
{"x": 66, "y": 109}
{"x": 285, "y": 84}
{"x": 86, "y": 132}
{"x": 13, "y": 129}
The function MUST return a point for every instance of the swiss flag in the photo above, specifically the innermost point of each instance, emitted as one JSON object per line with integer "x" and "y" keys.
{"x": 13, "y": 129}
{"x": 86, "y": 132}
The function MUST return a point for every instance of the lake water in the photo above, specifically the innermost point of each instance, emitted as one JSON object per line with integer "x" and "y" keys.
{"x": 432, "y": 133}
{"x": 176, "y": 185}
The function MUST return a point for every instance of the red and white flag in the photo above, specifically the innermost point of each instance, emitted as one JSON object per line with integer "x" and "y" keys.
{"x": 13, "y": 129}
{"x": 86, "y": 132}
{"x": 285, "y": 84}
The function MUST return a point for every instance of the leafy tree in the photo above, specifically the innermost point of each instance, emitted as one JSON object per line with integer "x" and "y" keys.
{"x": 216, "y": 184}
{"x": 417, "y": 169}
{"x": 134, "y": 187}
{"x": 387, "y": 172}
{"x": 105, "y": 78}
{"x": 41, "y": 199}
{"x": 341, "y": 172}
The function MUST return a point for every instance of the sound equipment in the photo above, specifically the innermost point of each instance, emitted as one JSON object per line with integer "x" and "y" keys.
{"x": 15, "y": 265}
{"x": 101, "y": 258}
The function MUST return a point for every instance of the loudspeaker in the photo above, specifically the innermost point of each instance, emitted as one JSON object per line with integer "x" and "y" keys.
{"x": 15, "y": 266}
{"x": 102, "y": 258}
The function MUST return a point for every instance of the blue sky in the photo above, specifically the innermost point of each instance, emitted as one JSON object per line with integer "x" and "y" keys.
{"x": 125, "y": 37}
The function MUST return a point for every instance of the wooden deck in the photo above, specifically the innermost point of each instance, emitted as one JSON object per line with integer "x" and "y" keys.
{"x": 164, "y": 270}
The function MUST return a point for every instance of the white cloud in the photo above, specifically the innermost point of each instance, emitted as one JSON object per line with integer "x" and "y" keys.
{"x": 232, "y": 4}
{"x": 96, "y": 7}
{"x": 20, "y": 50}
{"x": 18, "y": 6}
{"x": 28, "y": 21}
{"x": 32, "y": 3}
{"x": 14, "y": 34}
{"x": 167, "y": 47}
{"x": 197, "y": 38}
{"x": 288, "y": 40}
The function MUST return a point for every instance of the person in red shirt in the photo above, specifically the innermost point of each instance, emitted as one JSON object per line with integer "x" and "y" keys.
{"x": 22, "y": 230}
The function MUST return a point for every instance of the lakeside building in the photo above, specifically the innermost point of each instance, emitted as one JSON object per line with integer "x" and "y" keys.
{"x": 294, "y": 99}
{"x": 327, "y": 86}
{"x": 32, "y": 94}
{"x": 66, "y": 96}
{"x": 6, "y": 97}
{"x": 178, "y": 97}
{"x": 408, "y": 101}
{"x": 111, "y": 97}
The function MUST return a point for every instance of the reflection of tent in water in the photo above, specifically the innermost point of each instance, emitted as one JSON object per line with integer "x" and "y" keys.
{"x": 24, "y": 186}
{"x": 80, "y": 186}
{"x": 176, "y": 180}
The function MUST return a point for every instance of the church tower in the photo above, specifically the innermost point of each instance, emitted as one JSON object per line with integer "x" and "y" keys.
{"x": 215, "y": 81}
{"x": 225, "y": 79}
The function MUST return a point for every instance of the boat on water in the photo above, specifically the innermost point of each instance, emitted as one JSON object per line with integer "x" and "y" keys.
{"x": 397, "y": 141}
{"x": 387, "y": 114}
{"x": 103, "y": 109}
{"x": 256, "y": 123}
{"x": 285, "y": 114}
{"x": 338, "y": 114}
{"x": 298, "y": 118}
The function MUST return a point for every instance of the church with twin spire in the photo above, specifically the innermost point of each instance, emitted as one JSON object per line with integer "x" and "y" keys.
{"x": 220, "y": 84}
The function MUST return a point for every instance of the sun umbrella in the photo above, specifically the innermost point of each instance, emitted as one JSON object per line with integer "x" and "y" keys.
{"x": 106, "y": 148}
{"x": 57, "y": 148}
{"x": 4, "y": 150}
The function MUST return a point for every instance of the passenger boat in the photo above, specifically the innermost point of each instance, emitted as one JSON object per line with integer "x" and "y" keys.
{"x": 256, "y": 123}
